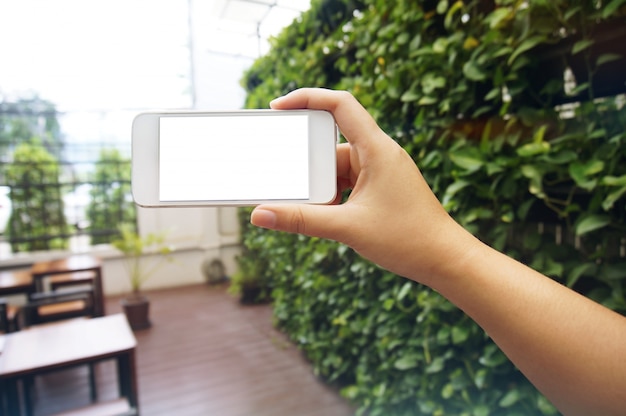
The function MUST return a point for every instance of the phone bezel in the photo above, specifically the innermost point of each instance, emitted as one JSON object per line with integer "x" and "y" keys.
{"x": 322, "y": 141}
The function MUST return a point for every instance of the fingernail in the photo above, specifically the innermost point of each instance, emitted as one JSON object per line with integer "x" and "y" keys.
{"x": 263, "y": 218}
{"x": 276, "y": 100}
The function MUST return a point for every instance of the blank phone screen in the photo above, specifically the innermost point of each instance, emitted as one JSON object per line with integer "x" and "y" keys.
{"x": 233, "y": 158}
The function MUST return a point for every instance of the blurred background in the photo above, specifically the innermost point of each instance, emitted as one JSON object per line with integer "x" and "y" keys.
{"x": 73, "y": 76}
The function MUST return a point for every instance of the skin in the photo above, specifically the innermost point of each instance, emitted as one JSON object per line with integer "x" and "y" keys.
{"x": 569, "y": 347}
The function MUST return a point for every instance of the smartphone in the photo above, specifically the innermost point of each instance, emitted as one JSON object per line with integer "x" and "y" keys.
{"x": 234, "y": 158}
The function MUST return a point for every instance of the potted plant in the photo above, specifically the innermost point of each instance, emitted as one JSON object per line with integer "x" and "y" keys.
{"x": 133, "y": 246}
{"x": 248, "y": 282}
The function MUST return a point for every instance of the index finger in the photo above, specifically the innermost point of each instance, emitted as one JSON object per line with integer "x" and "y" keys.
{"x": 352, "y": 118}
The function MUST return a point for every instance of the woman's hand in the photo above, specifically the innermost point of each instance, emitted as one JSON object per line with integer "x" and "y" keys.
{"x": 391, "y": 217}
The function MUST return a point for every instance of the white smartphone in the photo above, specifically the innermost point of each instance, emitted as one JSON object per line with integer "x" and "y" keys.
{"x": 236, "y": 158}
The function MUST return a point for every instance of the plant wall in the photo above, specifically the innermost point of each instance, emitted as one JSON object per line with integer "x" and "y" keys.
{"x": 514, "y": 111}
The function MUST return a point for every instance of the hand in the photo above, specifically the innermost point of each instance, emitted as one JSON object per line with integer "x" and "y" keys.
{"x": 391, "y": 217}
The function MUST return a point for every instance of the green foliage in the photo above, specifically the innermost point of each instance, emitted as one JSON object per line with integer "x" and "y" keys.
{"x": 111, "y": 200}
{"x": 475, "y": 92}
{"x": 249, "y": 283}
{"x": 37, "y": 220}
{"x": 135, "y": 247}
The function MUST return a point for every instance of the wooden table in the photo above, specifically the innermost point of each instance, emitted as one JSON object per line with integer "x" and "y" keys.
{"x": 45, "y": 348}
{"x": 71, "y": 264}
{"x": 14, "y": 282}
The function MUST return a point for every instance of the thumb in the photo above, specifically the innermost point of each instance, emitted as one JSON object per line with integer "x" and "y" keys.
{"x": 312, "y": 220}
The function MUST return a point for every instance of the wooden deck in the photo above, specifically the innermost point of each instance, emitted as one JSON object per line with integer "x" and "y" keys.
{"x": 205, "y": 355}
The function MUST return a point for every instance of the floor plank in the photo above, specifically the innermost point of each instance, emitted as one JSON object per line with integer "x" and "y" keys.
{"x": 205, "y": 355}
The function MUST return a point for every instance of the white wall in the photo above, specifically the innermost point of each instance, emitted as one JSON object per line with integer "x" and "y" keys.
{"x": 195, "y": 235}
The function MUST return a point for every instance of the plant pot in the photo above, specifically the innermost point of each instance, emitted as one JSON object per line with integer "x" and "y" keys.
{"x": 250, "y": 295}
{"x": 137, "y": 311}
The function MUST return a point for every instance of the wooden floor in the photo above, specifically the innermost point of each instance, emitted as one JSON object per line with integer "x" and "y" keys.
{"x": 204, "y": 355}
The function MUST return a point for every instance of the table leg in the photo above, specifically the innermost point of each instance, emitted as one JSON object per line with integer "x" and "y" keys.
{"x": 9, "y": 398}
{"x": 99, "y": 293}
{"x": 127, "y": 378}
{"x": 93, "y": 388}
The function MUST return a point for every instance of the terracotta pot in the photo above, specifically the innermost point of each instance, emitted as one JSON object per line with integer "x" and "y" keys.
{"x": 137, "y": 310}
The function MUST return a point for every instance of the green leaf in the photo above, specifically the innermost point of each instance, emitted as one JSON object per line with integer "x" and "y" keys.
{"x": 552, "y": 268}
{"x": 535, "y": 175}
{"x": 510, "y": 398}
{"x": 612, "y": 198}
{"x": 498, "y": 16}
{"x": 526, "y": 45}
{"x": 592, "y": 223}
{"x": 480, "y": 378}
{"x": 350, "y": 392}
{"x": 581, "y": 45}
{"x": 447, "y": 391}
{"x": 427, "y": 100}
{"x": 614, "y": 180}
{"x": 607, "y": 57}
{"x": 440, "y": 45}
{"x": 560, "y": 158}
{"x": 459, "y": 334}
{"x": 581, "y": 173}
{"x": 571, "y": 11}
{"x": 473, "y": 72}
{"x": 455, "y": 187}
{"x": 431, "y": 82}
{"x": 435, "y": 366}
{"x": 540, "y": 134}
{"x": 442, "y": 6}
{"x": 409, "y": 96}
{"x": 458, "y": 5}
{"x": 612, "y": 8}
{"x": 403, "y": 38}
{"x": 579, "y": 271}
{"x": 469, "y": 161}
{"x": 481, "y": 410}
{"x": 533, "y": 149}
{"x": 406, "y": 288}
{"x": 407, "y": 362}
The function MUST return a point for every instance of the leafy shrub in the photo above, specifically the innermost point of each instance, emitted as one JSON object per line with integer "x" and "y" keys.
{"x": 37, "y": 220}
{"x": 529, "y": 160}
{"x": 111, "y": 201}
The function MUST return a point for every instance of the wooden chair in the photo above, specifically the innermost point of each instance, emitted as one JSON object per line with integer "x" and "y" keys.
{"x": 8, "y": 316}
{"x": 44, "y": 307}
{"x": 49, "y": 307}
{"x": 75, "y": 269}
{"x": 65, "y": 280}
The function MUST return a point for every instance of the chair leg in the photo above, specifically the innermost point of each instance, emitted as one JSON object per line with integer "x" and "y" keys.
{"x": 28, "y": 387}
{"x": 93, "y": 389}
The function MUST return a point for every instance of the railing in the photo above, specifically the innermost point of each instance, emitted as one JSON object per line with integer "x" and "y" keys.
{"x": 58, "y": 196}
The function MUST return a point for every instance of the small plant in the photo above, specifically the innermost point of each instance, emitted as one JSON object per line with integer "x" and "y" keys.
{"x": 134, "y": 246}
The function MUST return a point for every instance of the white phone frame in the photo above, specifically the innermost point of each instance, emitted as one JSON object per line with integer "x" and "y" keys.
{"x": 322, "y": 141}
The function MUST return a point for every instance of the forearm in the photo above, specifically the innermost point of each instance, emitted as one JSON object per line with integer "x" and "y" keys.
{"x": 570, "y": 348}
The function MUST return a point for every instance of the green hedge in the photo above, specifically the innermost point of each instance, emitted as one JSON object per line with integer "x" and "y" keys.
{"x": 530, "y": 163}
